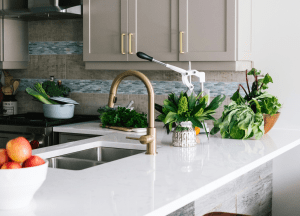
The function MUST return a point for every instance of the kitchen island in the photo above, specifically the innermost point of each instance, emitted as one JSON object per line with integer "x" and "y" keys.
{"x": 152, "y": 185}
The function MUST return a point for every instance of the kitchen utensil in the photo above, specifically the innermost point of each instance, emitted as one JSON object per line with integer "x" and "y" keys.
{"x": 58, "y": 111}
{"x": 18, "y": 186}
{"x": 186, "y": 74}
{"x": 16, "y": 85}
{"x": 64, "y": 100}
{"x": 136, "y": 130}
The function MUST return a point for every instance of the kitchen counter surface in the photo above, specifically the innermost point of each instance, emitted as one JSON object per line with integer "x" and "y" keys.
{"x": 149, "y": 185}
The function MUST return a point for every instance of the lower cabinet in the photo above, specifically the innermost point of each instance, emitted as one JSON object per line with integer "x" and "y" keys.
{"x": 69, "y": 137}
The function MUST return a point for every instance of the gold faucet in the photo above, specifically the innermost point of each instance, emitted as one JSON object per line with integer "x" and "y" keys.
{"x": 150, "y": 138}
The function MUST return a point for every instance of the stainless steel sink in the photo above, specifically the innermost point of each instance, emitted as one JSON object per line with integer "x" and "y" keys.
{"x": 71, "y": 163}
{"x": 90, "y": 157}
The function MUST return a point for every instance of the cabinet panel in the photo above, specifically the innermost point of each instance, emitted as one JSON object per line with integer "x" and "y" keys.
{"x": 15, "y": 40}
{"x": 154, "y": 28}
{"x": 104, "y": 22}
{"x": 208, "y": 30}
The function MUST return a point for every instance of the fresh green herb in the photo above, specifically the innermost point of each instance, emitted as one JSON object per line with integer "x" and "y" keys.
{"x": 123, "y": 117}
{"x": 238, "y": 121}
{"x": 53, "y": 90}
{"x": 187, "y": 108}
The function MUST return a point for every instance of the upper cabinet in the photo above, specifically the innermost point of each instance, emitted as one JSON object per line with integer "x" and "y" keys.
{"x": 213, "y": 34}
{"x": 114, "y": 30}
{"x": 207, "y": 30}
{"x": 153, "y": 28}
{"x": 14, "y": 44}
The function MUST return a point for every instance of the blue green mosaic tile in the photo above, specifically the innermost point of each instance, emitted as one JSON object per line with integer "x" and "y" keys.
{"x": 137, "y": 87}
{"x": 55, "y": 48}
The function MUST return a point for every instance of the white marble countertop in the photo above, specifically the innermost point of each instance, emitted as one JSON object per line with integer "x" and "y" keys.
{"x": 148, "y": 185}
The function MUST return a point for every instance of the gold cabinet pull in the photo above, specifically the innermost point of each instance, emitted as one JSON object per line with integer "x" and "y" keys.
{"x": 122, "y": 44}
{"x": 130, "y": 44}
{"x": 180, "y": 40}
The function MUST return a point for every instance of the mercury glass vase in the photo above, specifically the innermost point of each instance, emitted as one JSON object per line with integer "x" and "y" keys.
{"x": 184, "y": 137}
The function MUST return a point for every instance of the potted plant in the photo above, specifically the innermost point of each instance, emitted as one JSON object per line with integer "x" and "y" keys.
{"x": 252, "y": 115}
{"x": 184, "y": 113}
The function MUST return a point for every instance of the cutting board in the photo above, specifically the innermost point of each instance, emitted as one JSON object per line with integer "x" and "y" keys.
{"x": 126, "y": 129}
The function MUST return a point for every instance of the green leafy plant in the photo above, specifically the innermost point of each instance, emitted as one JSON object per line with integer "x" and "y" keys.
{"x": 238, "y": 121}
{"x": 122, "y": 117}
{"x": 187, "y": 108}
{"x": 268, "y": 104}
{"x": 54, "y": 90}
{"x": 243, "y": 117}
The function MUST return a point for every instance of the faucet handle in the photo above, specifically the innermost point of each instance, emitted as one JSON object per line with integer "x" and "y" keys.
{"x": 143, "y": 139}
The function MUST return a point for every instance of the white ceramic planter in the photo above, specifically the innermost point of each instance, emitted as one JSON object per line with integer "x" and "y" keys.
{"x": 186, "y": 138}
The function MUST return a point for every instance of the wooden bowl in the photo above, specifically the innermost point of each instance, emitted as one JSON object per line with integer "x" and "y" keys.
{"x": 270, "y": 121}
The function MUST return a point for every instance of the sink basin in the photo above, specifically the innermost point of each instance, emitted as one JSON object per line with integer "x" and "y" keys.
{"x": 90, "y": 157}
{"x": 105, "y": 154}
{"x": 71, "y": 163}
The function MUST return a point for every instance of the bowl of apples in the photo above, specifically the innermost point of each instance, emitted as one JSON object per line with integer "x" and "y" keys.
{"x": 21, "y": 174}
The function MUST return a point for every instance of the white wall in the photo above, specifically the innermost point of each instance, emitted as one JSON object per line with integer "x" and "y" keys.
{"x": 276, "y": 50}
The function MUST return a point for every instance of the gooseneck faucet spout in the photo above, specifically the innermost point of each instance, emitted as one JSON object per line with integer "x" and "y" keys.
{"x": 150, "y": 138}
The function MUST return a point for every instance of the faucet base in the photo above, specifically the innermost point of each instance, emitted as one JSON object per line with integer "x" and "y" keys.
{"x": 151, "y": 147}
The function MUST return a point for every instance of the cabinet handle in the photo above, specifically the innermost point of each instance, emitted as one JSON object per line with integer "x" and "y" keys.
{"x": 130, "y": 45}
{"x": 180, "y": 39}
{"x": 122, "y": 44}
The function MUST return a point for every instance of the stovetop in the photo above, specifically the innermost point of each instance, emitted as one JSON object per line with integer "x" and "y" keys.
{"x": 38, "y": 119}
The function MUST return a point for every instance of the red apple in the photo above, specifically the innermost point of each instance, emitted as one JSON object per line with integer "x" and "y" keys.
{"x": 11, "y": 165}
{"x": 19, "y": 149}
{"x": 3, "y": 157}
{"x": 33, "y": 161}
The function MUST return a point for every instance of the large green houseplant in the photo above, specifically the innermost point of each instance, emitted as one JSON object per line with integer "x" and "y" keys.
{"x": 244, "y": 116}
{"x": 183, "y": 108}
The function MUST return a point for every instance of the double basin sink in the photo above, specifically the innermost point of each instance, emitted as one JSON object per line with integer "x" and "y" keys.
{"x": 90, "y": 157}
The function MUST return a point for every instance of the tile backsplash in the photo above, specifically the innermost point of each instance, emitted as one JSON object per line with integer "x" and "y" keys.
{"x": 55, "y": 48}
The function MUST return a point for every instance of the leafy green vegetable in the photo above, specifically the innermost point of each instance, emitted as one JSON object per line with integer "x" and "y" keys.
{"x": 258, "y": 100}
{"x": 123, "y": 117}
{"x": 41, "y": 91}
{"x": 53, "y": 90}
{"x": 38, "y": 96}
{"x": 183, "y": 108}
{"x": 238, "y": 121}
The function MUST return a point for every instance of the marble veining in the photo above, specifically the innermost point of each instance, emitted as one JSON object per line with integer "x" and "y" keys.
{"x": 137, "y": 87}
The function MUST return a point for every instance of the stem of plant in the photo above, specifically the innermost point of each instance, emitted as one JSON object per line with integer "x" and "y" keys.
{"x": 244, "y": 90}
{"x": 247, "y": 81}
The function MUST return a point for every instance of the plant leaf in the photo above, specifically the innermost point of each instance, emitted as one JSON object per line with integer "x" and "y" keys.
{"x": 171, "y": 117}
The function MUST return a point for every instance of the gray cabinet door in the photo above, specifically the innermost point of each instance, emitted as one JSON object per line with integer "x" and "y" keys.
{"x": 153, "y": 29}
{"x": 207, "y": 30}
{"x": 104, "y": 23}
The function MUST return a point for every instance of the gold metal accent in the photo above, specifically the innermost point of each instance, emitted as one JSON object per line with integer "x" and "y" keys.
{"x": 180, "y": 41}
{"x": 130, "y": 45}
{"x": 122, "y": 44}
{"x": 150, "y": 138}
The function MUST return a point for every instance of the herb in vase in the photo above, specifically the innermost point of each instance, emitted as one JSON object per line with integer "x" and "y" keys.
{"x": 192, "y": 108}
{"x": 243, "y": 117}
